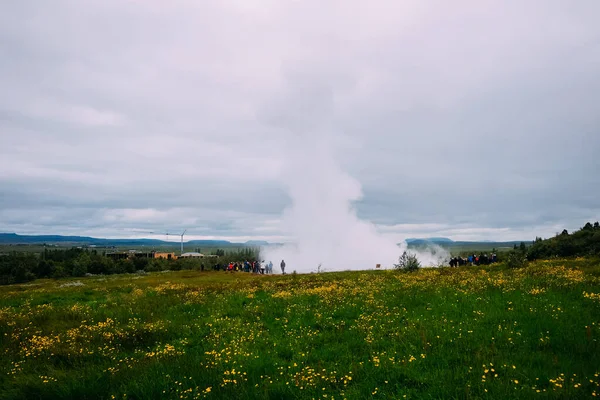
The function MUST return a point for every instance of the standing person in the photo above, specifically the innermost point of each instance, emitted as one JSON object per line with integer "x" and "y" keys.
{"x": 262, "y": 267}
{"x": 270, "y": 268}
{"x": 283, "y": 267}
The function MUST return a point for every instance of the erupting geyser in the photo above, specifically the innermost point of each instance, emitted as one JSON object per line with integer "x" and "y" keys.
{"x": 321, "y": 220}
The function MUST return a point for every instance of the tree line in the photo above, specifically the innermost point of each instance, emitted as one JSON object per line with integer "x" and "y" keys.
{"x": 584, "y": 242}
{"x": 19, "y": 267}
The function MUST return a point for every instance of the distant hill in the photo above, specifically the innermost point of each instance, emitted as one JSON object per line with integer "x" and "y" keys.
{"x": 492, "y": 243}
{"x": 436, "y": 240}
{"x": 463, "y": 244}
{"x": 15, "y": 239}
{"x": 257, "y": 243}
{"x": 210, "y": 243}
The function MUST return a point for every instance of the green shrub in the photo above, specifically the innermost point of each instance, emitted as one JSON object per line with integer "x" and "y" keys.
{"x": 516, "y": 259}
{"x": 79, "y": 269}
{"x": 408, "y": 262}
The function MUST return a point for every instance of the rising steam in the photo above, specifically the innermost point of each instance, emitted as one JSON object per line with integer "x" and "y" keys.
{"x": 325, "y": 228}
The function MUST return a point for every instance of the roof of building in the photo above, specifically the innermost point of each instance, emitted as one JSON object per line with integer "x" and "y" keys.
{"x": 192, "y": 254}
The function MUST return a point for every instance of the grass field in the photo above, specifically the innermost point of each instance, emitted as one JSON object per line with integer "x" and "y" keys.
{"x": 438, "y": 333}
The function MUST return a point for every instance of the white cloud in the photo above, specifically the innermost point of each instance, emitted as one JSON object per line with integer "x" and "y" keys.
{"x": 476, "y": 119}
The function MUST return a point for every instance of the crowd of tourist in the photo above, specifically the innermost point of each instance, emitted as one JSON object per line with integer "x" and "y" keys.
{"x": 473, "y": 259}
{"x": 255, "y": 267}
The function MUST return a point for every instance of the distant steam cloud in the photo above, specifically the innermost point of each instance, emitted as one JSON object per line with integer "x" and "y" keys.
{"x": 322, "y": 221}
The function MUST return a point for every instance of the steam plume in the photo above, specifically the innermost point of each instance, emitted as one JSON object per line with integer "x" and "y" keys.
{"x": 321, "y": 220}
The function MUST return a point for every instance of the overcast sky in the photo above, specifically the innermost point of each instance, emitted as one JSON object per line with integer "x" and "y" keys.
{"x": 474, "y": 120}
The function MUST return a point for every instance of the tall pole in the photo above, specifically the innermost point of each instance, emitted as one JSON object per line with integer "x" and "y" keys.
{"x": 182, "y": 240}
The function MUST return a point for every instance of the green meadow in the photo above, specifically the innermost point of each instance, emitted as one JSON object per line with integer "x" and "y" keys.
{"x": 443, "y": 333}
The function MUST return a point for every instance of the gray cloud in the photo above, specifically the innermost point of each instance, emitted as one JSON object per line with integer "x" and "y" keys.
{"x": 476, "y": 119}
